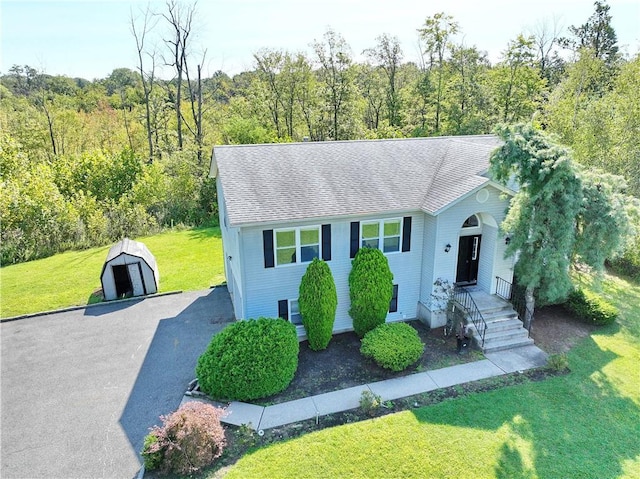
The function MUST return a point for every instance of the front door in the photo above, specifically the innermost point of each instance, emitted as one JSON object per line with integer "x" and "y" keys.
{"x": 468, "y": 259}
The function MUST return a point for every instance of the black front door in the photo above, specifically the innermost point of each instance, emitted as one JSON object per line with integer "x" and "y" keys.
{"x": 468, "y": 259}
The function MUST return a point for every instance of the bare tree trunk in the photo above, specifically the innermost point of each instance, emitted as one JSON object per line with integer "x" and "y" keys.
{"x": 126, "y": 121}
{"x": 199, "y": 137}
{"x": 147, "y": 79}
{"x": 195, "y": 100}
{"x": 180, "y": 18}
{"x": 530, "y": 304}
{"x": 49, "y": 123}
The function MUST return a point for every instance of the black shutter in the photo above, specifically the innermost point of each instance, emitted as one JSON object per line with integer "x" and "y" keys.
{"x": 393, "y": 304}
{"x": 326, "y": 242}
{"x": 267, "y": 241}
{"x": 355, "y": 238}
{"x": 406, "y": 233}
{"x": 283, "y": 309}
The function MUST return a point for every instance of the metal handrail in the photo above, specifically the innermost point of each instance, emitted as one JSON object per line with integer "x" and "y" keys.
{"x": 464, "y": 299}
{"x": 504, "y": 289}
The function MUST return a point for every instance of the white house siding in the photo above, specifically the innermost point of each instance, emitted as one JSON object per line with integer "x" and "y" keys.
{"x": 265, "y": 286}
{"x": 486, "y": 270}
{"x": 231, "y": 252}
{"x": 449, "y": 226}
{"x": 428, "y": 252}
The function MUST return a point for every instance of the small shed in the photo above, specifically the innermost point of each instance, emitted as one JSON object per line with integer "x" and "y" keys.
{"x": 129, "y": 270}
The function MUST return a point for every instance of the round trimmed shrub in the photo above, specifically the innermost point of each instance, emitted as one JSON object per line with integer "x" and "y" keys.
{"x": 188, "y": 440}
{"x": 394, "y": 346}
{"x": 591, "y": 308}
{"x": 318, "y": 301}
{"x": 370, "y": 290}
{"x": 249, "y": 360}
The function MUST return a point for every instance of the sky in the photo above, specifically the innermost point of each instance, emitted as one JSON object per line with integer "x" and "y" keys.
{"x": 90, "y": 38}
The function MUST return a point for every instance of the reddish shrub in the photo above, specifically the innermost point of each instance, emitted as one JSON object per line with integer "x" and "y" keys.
{"x": 188, "y": 440}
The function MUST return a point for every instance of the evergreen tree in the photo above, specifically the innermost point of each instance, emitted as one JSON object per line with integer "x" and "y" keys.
{"x": 597, "y": 34}
{"x": 370, "y": 290}
{"x": 555, "y": 217}
{"x": 318, "y": 301}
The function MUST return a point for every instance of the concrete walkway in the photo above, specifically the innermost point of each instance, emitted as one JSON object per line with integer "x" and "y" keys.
{"x": 496, "y": 364}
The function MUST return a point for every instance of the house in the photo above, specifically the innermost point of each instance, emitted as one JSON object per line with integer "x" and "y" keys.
{"x": 427, "y": 203}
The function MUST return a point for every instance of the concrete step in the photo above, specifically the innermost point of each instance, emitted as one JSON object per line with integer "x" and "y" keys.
{"x": 503, "y": 324}
{"x": 506, "y": 344}
{"x": 496, "y": 311}
{"x": 505, "y": 334}
{"x": 498, "y": 315}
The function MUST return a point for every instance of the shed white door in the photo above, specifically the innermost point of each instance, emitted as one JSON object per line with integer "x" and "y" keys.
{"x": 136, "y": 279}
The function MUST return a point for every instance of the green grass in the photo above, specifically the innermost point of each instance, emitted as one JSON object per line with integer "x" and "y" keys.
{"x": 585, "y": 424}
{"x": 187, "y": 260}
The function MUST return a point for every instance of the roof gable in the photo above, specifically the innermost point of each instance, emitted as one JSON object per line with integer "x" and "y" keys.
{"x": 132, "y": 248}
{"x": 297, "y": 181}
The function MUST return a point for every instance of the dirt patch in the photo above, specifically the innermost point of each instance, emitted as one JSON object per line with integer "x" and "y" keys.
{"x": 556, "y": 331}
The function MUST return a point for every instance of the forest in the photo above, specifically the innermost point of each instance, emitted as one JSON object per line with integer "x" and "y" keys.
{"x": 84, "y": 163}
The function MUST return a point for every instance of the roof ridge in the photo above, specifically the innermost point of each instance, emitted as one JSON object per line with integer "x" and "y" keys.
{"x": 435, "y": 175}
{"x": 458, "y": 138}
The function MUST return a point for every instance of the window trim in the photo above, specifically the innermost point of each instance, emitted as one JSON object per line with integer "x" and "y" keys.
{"x": 393, "y": 303}
{"x": 381, "y": 236}
{"x": 471, "y": 230}
{"x": 298, "y": 244}
{"x": 290, "y": 311}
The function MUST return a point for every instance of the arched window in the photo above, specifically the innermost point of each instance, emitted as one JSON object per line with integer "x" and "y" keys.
{"x": 471, "y": 222}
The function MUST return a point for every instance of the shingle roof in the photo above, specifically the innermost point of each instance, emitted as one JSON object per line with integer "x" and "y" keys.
{"x": 133, "y": 248}
{"x": 297, "y": 181}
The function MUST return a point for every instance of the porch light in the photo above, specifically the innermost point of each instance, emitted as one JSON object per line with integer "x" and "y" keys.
{"x": 507, "y": 240}
{"x": 447, "y": 248}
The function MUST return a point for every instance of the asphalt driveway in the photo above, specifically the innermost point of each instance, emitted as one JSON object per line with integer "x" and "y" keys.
{"x": 80, "y": 389}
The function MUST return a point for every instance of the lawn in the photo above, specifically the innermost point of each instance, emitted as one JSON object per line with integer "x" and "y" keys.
{"x": 584, "y": 424}
{"x": 187, "y": 260}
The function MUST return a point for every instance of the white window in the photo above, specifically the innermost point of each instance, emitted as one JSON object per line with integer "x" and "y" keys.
{"x": 297, "y": 245}
{"x": 294, "y": 312}
{"x": 383, "y": 234}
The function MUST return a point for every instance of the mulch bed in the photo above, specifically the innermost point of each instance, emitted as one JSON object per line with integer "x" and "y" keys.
{"x": 342, "y": 366}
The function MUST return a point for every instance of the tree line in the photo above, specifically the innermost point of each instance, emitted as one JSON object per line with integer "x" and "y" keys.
{"x": 129, "y": 153}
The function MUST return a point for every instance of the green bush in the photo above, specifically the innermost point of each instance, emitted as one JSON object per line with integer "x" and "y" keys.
{"x": 591, "y": 308}
{"x": 394, "y": 346}
{"x": 188, "y": 440}
{"x": 318, "y": 301}
{"x": 151, "y": 452}
{"x": 628, "y": 264}
{"x": 370, "y": 290}
{"x": 370, "y": 402}
{"x": 558, "y": 362}
{"x": 249, "y": 360}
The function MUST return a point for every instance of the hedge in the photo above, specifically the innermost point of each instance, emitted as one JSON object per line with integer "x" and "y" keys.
{"x": 591, "y": 308}
{"x": 318, "y": 301}
{"x": 249, "y": 359}
{"x": 370, "y": 290}
{"x": 394, "y": 346}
